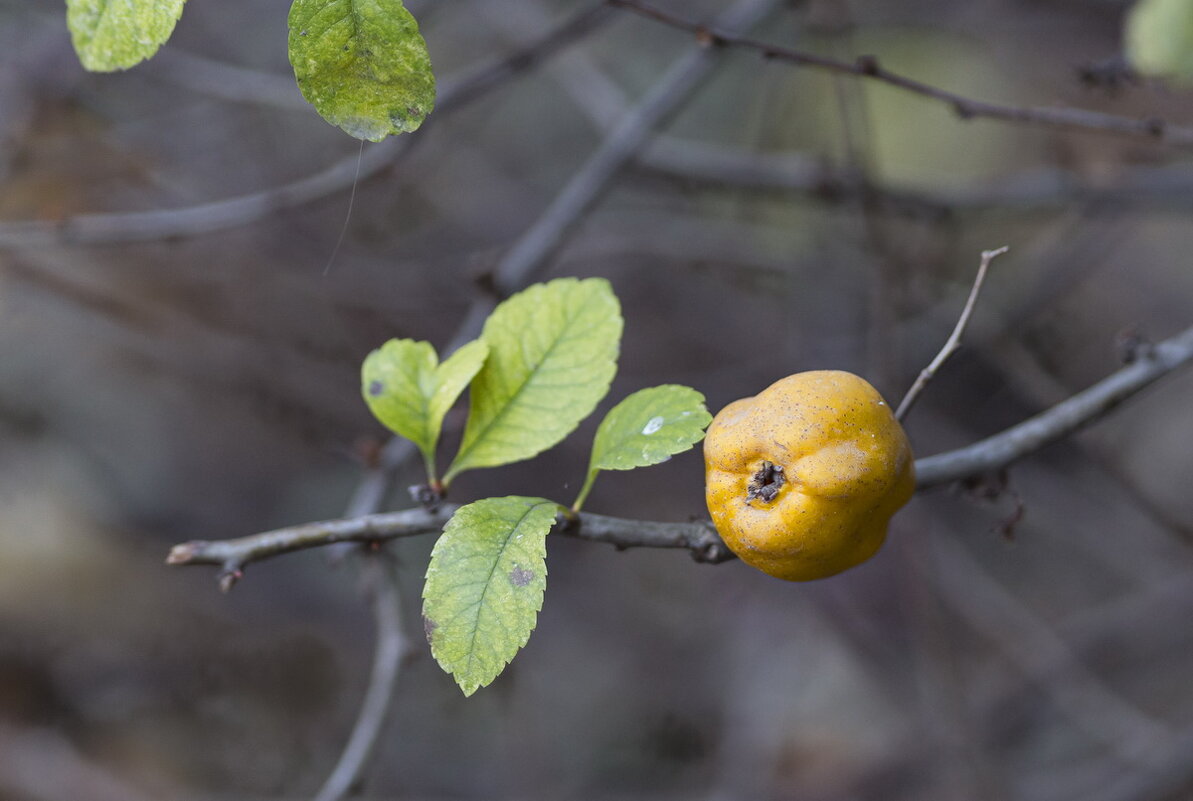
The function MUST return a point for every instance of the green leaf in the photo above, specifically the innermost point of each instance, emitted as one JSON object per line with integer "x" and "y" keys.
{"x": 1159, "y": 38}
{"x": 410, "y": 392}
{"x": 646, "y": 428}
{"x": 552, "y": 353}
{"x": 649, "y": 427}
{"x": 113, "y": 35}
{"x": 362, "y": 64}
{"x": 485, "y": 586}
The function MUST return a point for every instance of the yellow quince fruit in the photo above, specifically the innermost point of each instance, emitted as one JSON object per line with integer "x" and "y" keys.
{"x": 802, "y": 479}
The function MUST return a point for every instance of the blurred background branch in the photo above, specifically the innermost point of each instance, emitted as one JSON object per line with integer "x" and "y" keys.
{"x": 965, "y": 107}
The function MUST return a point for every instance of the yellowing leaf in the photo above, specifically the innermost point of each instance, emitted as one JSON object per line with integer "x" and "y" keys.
{"x": 113, "y": 35}
{"x": 362, "y": 64}
{"x": 409, "y": 391}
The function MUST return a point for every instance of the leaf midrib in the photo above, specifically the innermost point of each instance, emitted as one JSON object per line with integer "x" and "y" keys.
{"x": 489, "y": 582}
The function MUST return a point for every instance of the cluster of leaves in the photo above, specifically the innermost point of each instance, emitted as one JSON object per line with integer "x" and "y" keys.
{"x": 543, "y": 362}
{"x": 361, "y": 63}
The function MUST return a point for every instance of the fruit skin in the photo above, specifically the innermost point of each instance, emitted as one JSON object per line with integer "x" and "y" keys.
{"x": 841, "y": 465}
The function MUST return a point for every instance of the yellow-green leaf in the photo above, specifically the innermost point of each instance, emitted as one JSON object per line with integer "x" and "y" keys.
{"x": 113, "y": 35}
{"x": 1159, "y": 38}
{"x": 485, "y": 586}
{"x": 410, "y": 392}
{"x": 648, "y": 427}
{"x": 362, "y": 64}
{"x": 552, "y": 354}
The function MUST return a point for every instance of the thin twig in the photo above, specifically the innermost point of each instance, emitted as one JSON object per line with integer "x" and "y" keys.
{"x": 966, "y": 108}
{"x": 143, "y": 226}
{"x": 978, "y": 459}
{"x": 954, "y": 341}
{"x": 387, "y": 662}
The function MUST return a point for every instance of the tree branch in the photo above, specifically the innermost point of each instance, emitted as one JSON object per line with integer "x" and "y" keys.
{"x": 1167, "y": 187}
{"x": 988, "y": 455}
{"x": 232, "y": 556}
{"x": 1084, "y": 408}
{"x": 966, "y": 108}
{"x": 387, "y": 662}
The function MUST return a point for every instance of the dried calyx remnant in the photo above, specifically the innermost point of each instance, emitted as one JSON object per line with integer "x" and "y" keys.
{"x": 766, "y": 482}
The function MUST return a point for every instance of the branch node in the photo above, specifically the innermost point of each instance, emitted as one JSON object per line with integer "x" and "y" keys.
{"x": 867, "y": 65}
{"x": 706, "y": 37}
{"x": 567, "y": 520}
{"x": 709, "y": 548}
{"x": 229, "y": 575}
{"x": 1133, "y": 345}
{"x": 427, "y": 496}
{"x": 711, "y": 553}
{"x": 1111, "y": 74}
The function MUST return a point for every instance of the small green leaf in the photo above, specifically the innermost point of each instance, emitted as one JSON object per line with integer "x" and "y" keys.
{"x": 646, "y": 428}
{"x": 410, "y": 392}
{"x": 362, "y": 64}
{"x": 485, "y": 586}
{"x": 649, "y": 427}
{"x": 113, "y": 35}
{"x": 1159, "y": 38}
{"x": 552, "y": 353}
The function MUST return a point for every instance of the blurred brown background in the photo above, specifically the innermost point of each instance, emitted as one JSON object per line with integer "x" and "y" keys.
{"x": 206, "y": 386}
